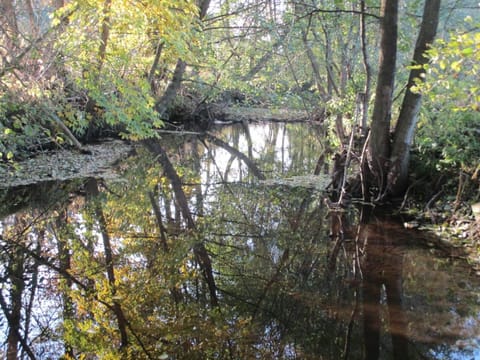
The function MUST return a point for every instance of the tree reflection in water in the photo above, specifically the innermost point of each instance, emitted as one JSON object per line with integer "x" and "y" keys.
{"x": 208, "y": 261}
{"x": 382, "y": 270}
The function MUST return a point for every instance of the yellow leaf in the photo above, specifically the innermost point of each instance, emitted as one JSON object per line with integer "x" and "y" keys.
{"x": 456, "y": 66}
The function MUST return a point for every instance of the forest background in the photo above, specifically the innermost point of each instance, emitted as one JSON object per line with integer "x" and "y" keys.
{"x": 75, "y": 71}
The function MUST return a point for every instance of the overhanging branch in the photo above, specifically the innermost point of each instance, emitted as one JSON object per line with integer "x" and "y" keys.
{"x": 339, "y": 11}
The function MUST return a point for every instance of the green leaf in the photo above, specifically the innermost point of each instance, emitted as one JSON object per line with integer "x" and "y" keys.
{"x": 467, "y": 52}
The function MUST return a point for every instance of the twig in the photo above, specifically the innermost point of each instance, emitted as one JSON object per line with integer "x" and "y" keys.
{"x": 346, "y": 165}
{"x": 404, "y": 202}
{"x": 362, "y": 164}
{"x": 431, "y": 201}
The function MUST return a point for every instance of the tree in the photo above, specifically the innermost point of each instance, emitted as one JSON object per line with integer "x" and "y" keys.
{"x": 389, "y": 162}
{"x": 379, "y": 146}
{"x": 408, "y": 118}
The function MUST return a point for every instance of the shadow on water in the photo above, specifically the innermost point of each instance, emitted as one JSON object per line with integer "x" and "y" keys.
{"x": 260, "y": 268}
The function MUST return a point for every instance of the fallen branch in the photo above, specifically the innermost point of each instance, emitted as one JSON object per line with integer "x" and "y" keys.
{"x": 67, "y": 132}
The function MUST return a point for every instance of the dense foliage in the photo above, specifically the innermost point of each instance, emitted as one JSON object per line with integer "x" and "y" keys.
{"x": 124, "y": 269}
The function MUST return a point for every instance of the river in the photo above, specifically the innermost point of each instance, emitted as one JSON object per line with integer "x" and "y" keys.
{"x": 261, "y": 267}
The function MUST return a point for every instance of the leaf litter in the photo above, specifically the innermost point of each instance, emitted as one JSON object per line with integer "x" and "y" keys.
{"x": 98, "y": 161}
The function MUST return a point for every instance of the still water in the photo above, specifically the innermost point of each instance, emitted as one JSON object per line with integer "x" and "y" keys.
{"x": 234, "y": 255}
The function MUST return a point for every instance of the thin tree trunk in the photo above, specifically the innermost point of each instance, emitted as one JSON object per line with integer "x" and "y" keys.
{"x": 203, "y": 7}
{"x": 31, "y": 17}
{"x": 264, "y": 59}
{"x": 379, "y": 146}
{"x": 408, "y": 118}
{"x": 33, "y": 289}
{"x": 105, "y": 33}
{"x": 10, "y": 321}
{"x": 59, "y": 4}
{"x": 153, "y": 69}
{"x": 368, "y": 71}
{"x": 331, "y": 86}
{"x": 158, "y": 217}
{"x": 325, "y": 95}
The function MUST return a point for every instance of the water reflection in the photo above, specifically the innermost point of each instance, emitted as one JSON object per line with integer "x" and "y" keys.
{"x": 382, "y": 280}
{"x": 210, "y": 262}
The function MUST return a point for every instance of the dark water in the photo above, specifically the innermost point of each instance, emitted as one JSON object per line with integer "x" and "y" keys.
{"x": 293, "y": 279}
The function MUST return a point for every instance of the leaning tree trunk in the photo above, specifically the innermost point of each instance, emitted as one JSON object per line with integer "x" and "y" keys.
{"x": 379, "y": 145}
{"x": 408, "y": 118}
{"x": 173, "y": 87}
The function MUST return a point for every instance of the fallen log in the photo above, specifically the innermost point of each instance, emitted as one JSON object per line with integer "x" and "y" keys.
{"x": 255, "y": 114}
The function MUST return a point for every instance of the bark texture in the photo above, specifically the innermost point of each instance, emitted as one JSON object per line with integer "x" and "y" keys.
{"x": 379, "y": 146}
{"x": 408, "y": 118}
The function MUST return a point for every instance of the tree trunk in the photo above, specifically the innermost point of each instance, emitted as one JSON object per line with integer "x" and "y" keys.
{"x": 300, "y": 10}
{"x": 34, "y": 279}
{"x": 315, "y": 68}
{"x": 172, "y": 89}
{"x": 58, "y": 4}
{"x": 365, "y": 97}
{"x": 158, "y": 217}
{"x": 248, "y": 161}
{"x": 31, "y": 18}
{"x": 203, "y": 7}
{"x": 153, "y": 69}
{"x": 265, "y": 58}
{"x": 105, "y": 33}
{"x": 408, "y": 118}
{"x": 379, "y": 146}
